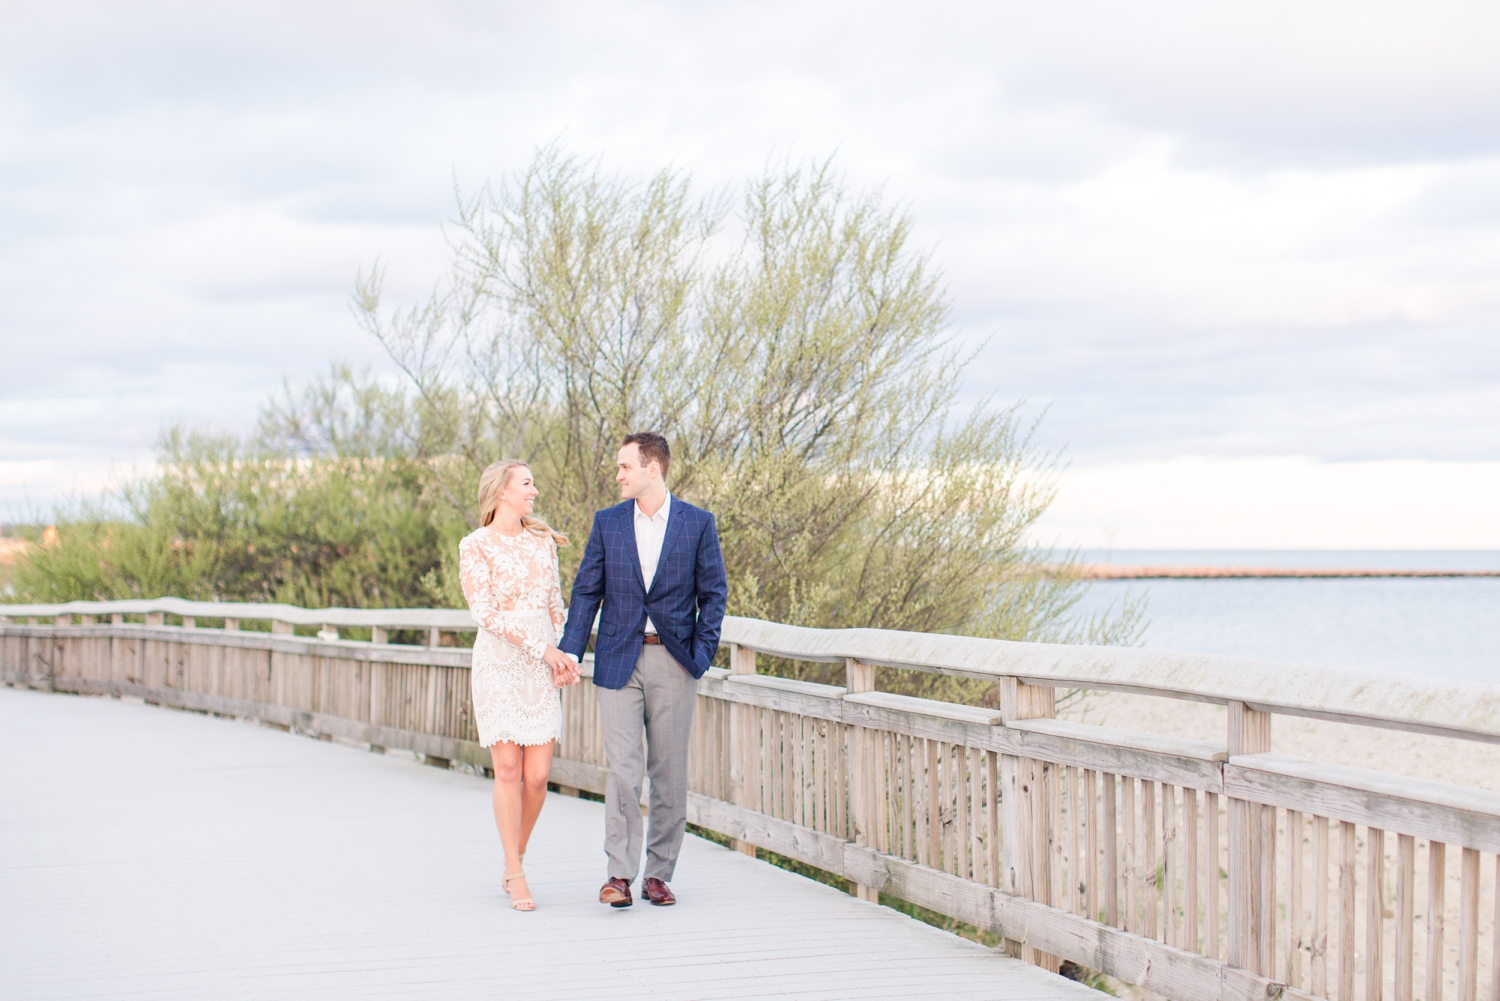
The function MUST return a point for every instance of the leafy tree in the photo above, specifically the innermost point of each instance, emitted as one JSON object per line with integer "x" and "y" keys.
{"x": 797, "y": 355}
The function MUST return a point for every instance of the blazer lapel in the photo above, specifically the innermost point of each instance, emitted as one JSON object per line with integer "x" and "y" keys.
{"x": 628, "y": 516}
{"x": 674, "y": 529}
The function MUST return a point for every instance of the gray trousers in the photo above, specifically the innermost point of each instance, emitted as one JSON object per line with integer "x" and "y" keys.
{"x": 658, "y": 701}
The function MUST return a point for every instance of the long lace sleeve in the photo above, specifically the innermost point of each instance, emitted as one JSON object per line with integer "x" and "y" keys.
{"x": 554, "y": 596}
{"x": 479, "y": 591}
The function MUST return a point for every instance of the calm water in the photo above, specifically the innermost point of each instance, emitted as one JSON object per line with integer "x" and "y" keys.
{"x": 1448, "y": 628}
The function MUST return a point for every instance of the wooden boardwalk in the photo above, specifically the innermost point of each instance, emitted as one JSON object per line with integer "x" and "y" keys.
{"x": 151, "y": 853}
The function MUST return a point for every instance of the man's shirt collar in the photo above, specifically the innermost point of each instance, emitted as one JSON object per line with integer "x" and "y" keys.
{"x": 661, "y": 513}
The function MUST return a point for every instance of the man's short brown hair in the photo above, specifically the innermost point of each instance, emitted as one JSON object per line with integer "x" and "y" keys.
{"x": 653, "y": 447}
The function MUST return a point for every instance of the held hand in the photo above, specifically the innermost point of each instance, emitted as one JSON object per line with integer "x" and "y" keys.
{"x": 564, "y": 668}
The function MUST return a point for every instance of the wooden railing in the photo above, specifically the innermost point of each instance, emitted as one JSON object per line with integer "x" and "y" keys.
{"x": 1196, "y": 869}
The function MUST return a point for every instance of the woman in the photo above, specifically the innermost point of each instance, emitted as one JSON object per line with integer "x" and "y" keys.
{"x": 509, "y": 573}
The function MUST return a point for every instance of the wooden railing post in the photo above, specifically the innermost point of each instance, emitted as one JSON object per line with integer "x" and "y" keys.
{"x": 1028, "y": 792}
{"x": 864, "y": 798}
{"x": 742, "y": 750}
{"x": 1249, "y": 868}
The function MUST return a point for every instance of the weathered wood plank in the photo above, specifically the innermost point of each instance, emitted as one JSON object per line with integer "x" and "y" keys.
{"x": 1406, "y": 917}
{"x": 1347, "y": 871}
{"x": 1374, "y": 914}
{"x": 1437, "y": 882}
{"x": 1468, "y": 926}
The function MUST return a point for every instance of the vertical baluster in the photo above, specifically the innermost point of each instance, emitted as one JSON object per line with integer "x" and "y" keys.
{"x": 1468, "y": 926}
{"x": 1294, "y": 921}
{"x": 812, "y": 786}
{"x": 896, "y": 793}
{"x": 784, "y": 772}
{"x": 920, "y": 841}
{"x": 908, "y": 790}
{"x": 959, "y": 798}
{"x": 1132, "y": 920}
{"x": 961, "y": 810}
{"x": 1150, "y": 871}
{"x": 821, "y": 785}
{"x": 769, "y": 759}
{"x": 1168, "y": 869}
{"x": 1074, "y": 867}
{"x": 1267, "y": 885}
{"x": 794, "y": 747}
{"x": 1347, "y": 872}
{"x": 950, "y": 806}
{"x": 992, "y": 792}
{"x": 807, "y": 805}
{"x": 1211, "y": 897}
{"x": 934, "y": 807}
{"x": 1057, "y": 872}
{"x": 1091, "y": 844}
{"x": 1436, "y": 883}
{"x": 941, "y": 818}
{"x": 786, "y": 780}
{"x": 976, "y": 814}
{"x": 1319, "y": 962}
{"x": 1495, "y": 943}
{"x": 1249, "y": 733}
{"x": 833, "y": 742}
{"x": 1191, "y": 940}
{"x": 1374, "y": 913}
{"x": 1110, "y": 830}
{"x": 1406, "y": 914}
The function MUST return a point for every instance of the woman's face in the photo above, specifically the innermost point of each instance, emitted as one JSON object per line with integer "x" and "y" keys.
{"x": 520, "y": 493}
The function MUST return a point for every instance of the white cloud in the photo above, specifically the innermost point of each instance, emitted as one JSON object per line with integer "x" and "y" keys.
{"x": 1224, "y": 230}
{"x": 1276, "y": 502}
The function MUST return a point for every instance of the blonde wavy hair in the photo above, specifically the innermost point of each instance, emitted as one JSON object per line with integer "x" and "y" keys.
{"x": 492, "y": 483}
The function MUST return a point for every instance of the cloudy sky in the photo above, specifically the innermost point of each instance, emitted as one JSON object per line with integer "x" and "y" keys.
{"x": 1245, "y": 256}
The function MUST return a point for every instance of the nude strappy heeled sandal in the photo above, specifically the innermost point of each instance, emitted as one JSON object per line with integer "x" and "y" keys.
{"x": 518, "y": 903}
{"x": 521, "y": 858}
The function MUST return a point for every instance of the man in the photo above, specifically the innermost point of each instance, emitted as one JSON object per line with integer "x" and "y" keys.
{"x": 654, "y": 564}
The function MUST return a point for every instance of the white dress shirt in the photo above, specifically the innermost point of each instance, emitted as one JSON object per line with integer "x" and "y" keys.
{"x": 650, "y": 533}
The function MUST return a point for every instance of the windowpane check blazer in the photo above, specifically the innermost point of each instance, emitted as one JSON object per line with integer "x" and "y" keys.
{"x": 686, "y": 600}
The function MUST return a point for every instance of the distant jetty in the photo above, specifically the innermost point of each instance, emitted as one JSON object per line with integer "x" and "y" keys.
{"x": 1121, "y": 571}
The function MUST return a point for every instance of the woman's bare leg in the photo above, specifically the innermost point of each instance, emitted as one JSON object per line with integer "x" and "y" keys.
{"x": 507, "y": 796}
{"x": 536, "y": 765}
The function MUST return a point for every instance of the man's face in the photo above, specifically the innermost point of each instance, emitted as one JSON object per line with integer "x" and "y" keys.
{"x": 634, "y": 479}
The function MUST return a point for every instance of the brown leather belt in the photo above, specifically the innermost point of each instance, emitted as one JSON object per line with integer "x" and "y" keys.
{"x": 652, "y": 639}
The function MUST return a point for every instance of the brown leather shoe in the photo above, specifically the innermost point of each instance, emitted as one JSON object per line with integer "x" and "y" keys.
{"x": 616, "y": 893}
{"x": 656, "y": 891}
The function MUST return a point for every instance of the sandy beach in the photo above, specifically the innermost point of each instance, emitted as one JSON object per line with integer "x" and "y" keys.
{"x": 1441, "y": 759}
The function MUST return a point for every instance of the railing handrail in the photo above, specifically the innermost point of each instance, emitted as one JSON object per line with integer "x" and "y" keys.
{"x": 1463, "y": 709}
{"x": 353, "y": 618}
{"x": 1460, "y": 709}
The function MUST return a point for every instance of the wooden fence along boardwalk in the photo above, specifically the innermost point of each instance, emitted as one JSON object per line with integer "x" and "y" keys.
{"x": 1195, "y": 869}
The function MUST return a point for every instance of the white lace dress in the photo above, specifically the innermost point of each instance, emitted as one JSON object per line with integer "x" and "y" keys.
{"x": 512, "y": 588}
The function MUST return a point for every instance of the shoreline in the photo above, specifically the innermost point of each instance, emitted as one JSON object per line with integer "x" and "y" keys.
{"x": 1128, "y": 572}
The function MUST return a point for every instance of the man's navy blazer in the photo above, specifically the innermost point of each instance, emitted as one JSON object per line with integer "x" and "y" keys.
{"x": 686, "y": 601}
